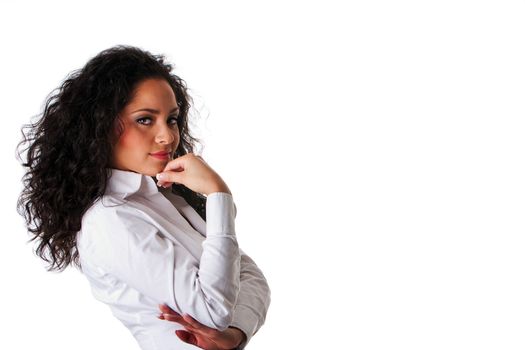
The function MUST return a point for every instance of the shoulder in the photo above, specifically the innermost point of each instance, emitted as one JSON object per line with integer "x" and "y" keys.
{"x": 108, "y": 222}
{"x": 108, "y": 209}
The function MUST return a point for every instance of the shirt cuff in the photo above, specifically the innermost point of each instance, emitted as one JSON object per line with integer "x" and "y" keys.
{"x": 248, "y": 322}
{"x": 220, "y": 214}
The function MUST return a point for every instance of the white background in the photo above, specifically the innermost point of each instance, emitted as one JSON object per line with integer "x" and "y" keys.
{"x": 374, "y": 150}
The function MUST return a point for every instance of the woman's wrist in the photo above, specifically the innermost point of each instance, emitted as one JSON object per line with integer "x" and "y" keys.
{"x": 222, "y": 188}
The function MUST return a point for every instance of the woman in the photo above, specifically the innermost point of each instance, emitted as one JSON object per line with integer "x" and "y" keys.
{"x": 113, "y": 188}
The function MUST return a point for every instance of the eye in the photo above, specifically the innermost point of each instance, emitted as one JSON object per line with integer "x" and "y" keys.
{"x": 144, "y": 120}
{"x": 173, "y": 120}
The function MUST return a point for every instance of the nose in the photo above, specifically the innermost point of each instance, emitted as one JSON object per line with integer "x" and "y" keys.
{"x": 165, "y": 135}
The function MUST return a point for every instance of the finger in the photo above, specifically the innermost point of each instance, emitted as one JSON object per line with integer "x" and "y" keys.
{"x": 178, "y": 319}
{"x": 169, "y": 177}
{"x": 186, "y": 320}
{"x": 175, "y": 165}
{"x": 199, "y": 326}
{"x": 168, "y": 314}
{"x": 186, "y": 337}
{"x": 173, "y": 318}
{"x": 165, "y": 309}
{"x": 164, "y": 184}
{"x": 193, "y": 330}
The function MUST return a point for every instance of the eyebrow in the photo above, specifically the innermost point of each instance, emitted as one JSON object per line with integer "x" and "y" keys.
{"x": 151, "y": 110}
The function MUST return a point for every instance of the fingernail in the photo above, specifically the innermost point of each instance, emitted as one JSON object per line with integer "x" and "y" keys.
{"x": 161, "y": 176}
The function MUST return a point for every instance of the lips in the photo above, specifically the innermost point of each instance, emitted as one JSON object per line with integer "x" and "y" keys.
{"x": 161, "y": 155}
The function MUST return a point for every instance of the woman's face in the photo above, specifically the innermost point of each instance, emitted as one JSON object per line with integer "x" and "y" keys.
{"x": 150, "y": 126}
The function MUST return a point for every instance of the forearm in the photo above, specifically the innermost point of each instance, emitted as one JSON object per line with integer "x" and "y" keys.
{"x": 220, "y": 259}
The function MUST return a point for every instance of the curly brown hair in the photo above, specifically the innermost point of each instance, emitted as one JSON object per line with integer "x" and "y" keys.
{"x": 69, "y": 148}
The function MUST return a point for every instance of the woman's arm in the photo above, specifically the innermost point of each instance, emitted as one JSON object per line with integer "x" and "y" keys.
{"x": 128, "y": 246}
{"x": 254, "y": 294}
{"x": 249, "y": 313}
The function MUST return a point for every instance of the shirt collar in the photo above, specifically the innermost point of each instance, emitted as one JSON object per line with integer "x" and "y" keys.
{"x": 126, "y": 183}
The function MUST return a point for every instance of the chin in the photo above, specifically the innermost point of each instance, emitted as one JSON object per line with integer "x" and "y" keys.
{"x": 153, "y": 171}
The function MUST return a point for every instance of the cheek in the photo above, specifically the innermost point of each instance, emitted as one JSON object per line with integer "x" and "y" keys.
{"x": 131, "y": 140}
{"x": 127, "y": 139}
{"x": 176, "y": 136}
{"x": 131, "y": 137}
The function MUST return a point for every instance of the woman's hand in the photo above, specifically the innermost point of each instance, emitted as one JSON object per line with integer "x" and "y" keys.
{"x": 200, "y": 335}
{"x": 194, "y": 173}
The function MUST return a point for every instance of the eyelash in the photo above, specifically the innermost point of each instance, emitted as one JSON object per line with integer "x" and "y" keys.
{"x": 149, "y": 118}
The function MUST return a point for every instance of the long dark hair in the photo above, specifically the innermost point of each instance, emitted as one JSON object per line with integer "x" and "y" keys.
{"x": 70, "y": 146}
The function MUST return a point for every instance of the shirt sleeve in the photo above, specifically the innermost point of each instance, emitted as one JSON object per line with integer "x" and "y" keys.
{"x": 133, "y": 250}
{"x": 253, "y": 300}
{"x": 254, "y": 294}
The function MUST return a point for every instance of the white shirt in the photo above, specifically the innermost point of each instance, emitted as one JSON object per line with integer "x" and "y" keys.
{"x": 141, "y": 246}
